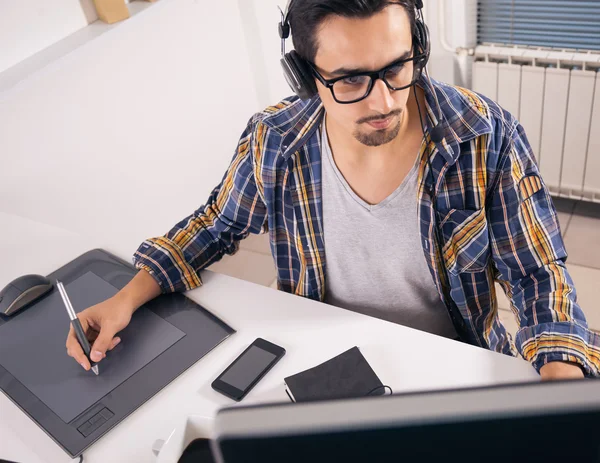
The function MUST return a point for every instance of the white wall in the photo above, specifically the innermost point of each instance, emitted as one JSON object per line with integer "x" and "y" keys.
{"x": 260, "y": 31}
{"x": 460, "y": 19}
{"x": 28, "y": 26}
{"x": 441, "y": 63}
{"x": 130, "y": 132}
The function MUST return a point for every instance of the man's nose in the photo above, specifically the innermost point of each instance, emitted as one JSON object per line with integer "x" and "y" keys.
{"x": 380, "y": 100}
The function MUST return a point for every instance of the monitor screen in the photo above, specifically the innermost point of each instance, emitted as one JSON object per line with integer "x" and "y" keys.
{"x": 549, "y": 422}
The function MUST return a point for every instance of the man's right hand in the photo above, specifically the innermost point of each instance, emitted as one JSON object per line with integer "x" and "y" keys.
{"x": 101, "y": 323}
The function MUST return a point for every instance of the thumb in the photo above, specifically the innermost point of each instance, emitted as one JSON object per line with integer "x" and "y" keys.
{"x": 102, "y": 343}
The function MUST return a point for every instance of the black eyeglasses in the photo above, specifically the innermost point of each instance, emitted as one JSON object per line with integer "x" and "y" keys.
{"x": 351, "y": 88}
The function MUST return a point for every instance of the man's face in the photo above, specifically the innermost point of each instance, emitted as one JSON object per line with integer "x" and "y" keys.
{"x": 344, "y": 45}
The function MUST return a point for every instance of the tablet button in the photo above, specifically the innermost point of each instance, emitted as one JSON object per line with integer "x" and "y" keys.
{"x": 106, "y": 413}
{"x": 85, "y": 429}
{"x": 97, "y": 418}
{"x": 96, "y": 422}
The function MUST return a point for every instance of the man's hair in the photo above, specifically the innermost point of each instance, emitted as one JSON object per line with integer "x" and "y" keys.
{"x": 307, "y": 15}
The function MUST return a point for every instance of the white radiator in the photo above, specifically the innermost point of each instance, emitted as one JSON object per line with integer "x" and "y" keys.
{"x": 556, "y": 97}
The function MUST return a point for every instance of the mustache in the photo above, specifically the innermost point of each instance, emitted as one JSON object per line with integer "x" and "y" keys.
{"x": 397, "y": 112}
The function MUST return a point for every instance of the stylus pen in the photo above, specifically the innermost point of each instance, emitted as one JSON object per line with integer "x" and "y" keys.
{"x": 81, "y": 337}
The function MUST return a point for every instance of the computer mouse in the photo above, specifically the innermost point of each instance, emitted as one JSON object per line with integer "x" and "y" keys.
{"x": 21, "y": 292}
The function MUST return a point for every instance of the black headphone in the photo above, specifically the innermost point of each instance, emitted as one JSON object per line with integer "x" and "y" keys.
{"x": 297, "y": 71}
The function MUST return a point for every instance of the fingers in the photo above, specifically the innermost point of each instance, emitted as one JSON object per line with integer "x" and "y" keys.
{"x": 91, "y": 336}
{"x": 105, "y": 341}
{"x": 114, "y": 343}
{"x": 74, "y": 349}
{"x": 94, "y": 325}
{"x": 101, "y": 342}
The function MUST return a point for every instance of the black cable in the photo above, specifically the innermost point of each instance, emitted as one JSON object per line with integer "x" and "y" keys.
{"x": 429, "y": 190}
{"x": 431, "y": 187}
{"x": 81, "y": 458}
{"x": 453, "y": 310}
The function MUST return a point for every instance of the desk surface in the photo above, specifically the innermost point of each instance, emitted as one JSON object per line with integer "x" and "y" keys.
{"x": 311, "y": 332}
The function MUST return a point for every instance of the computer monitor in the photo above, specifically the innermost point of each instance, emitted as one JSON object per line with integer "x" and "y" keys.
{"x": 545, "y": 422}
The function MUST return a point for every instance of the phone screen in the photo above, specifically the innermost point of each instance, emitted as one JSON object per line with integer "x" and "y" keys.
{"x": 245, "y": 370}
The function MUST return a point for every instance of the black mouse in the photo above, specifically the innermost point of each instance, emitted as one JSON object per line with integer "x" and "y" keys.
{"x": 21, "y": 292}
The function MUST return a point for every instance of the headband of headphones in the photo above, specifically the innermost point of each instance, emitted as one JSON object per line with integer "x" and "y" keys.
{"x": 284, "y": 25}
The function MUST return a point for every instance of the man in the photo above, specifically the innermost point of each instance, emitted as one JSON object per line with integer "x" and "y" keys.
{"x": 365, "y": 212}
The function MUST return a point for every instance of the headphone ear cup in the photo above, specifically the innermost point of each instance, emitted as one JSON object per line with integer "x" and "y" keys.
{"x": 308, "y": 80}
{"x": 422, "y": 40}
{"x": 298, "y": 75}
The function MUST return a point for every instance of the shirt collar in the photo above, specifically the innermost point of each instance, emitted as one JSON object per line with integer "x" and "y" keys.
{"x": 464, "y": 117}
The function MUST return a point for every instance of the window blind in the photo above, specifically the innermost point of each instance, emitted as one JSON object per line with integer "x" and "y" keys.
{"x": 544, "y": 23}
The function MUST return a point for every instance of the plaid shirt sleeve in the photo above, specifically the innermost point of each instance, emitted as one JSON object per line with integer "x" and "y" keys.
{"x": 233, "y": 210}
{"x": 530, "y": 255}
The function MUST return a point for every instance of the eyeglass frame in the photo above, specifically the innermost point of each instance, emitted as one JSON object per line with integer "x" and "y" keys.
{"x": 374, "y": 75}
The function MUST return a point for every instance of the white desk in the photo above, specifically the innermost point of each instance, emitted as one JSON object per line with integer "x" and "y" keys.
{"x": 311, "y": 332}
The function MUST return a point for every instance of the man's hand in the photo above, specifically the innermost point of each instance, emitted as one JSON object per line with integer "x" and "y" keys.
{"x": 100, "y": 323}
{"x": 561, "y": 370}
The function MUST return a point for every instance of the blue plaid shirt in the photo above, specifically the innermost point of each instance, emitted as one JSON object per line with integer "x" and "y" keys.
{"x": 495, "y": 217}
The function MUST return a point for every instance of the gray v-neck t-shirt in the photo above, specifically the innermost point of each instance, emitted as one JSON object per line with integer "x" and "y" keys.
{"x": 374, "y": 260}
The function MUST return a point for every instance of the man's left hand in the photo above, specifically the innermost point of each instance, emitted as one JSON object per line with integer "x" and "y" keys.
{"x": 561, "y": 370}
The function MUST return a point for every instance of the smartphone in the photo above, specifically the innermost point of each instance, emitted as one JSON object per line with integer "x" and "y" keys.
{"x": 248, "y": 369}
